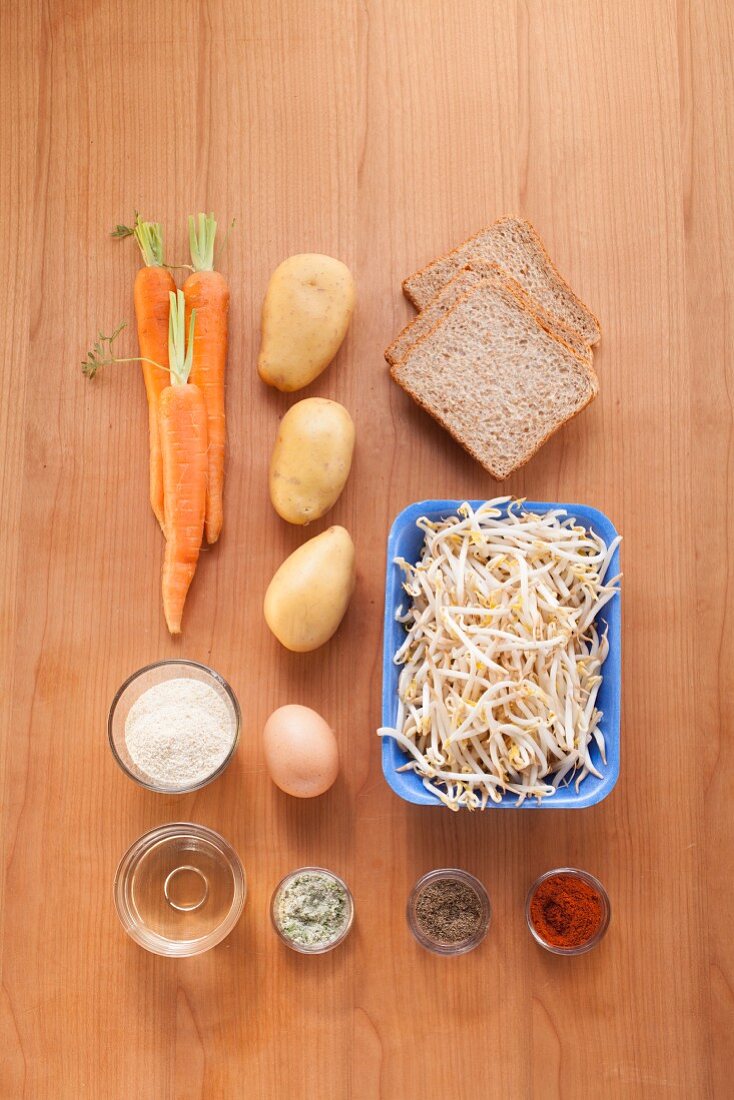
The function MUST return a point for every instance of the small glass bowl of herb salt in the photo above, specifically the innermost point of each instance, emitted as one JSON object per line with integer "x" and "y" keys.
{"x": 312, "y": 910}
{"x": 449, "y": 911}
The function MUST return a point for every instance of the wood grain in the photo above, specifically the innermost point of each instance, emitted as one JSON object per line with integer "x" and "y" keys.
{"x": 381, "y": 132}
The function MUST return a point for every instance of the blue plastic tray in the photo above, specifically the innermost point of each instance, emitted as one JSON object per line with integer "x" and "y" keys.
{"x": 406, "y": 541}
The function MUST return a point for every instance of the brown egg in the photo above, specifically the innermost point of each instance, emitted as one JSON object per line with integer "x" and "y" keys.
{"x": 300, "y": 751}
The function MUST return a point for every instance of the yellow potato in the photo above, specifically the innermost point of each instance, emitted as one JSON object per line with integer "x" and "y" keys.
{"x": 307, "y": 597}
{"x": 306, "y": 314}
{"x": 311, "y": 459}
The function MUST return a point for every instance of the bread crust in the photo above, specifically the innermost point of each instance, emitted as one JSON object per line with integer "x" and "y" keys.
{"x": 553, "y": 325}
{"x": 389, "y": 352}
{"x": 467, "y": 444}
{"x": 537, "y": 241}
{"x": 547, "y": 321}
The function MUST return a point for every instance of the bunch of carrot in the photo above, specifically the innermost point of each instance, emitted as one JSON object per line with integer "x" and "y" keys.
{"x": 184, "y": 383}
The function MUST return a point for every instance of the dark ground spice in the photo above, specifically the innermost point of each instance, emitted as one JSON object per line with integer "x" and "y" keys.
{"x": 566, "y": 911}
{"x": 448, "y": 911}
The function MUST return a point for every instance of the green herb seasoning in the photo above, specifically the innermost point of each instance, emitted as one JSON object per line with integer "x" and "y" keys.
{"x": 313, "y": 909}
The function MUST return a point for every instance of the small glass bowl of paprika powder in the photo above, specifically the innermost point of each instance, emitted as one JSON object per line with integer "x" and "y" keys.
{"x": 567, "y": 911}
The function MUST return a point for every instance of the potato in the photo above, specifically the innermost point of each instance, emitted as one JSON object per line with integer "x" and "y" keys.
{"x": 306, "y": 314}
{"x": 311, "y": 459}
{"x": 307, "y": 597}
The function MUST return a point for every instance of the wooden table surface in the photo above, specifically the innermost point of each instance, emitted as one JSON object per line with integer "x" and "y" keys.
{"x": 382, "y": 132}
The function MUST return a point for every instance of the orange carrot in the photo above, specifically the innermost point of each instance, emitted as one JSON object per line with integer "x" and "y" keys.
{"x": 206, "y": 291}
{"x": 182, "y": 426}
{"x": 153, "y": 284}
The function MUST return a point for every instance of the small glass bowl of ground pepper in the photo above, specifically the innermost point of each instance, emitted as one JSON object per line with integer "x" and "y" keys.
{"x": 449, "y": 911}
{"x": 312, "y": 910}
{"x": 567, "y": 911}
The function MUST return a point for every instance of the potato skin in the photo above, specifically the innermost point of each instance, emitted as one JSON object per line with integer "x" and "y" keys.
{"x": 311, "y": 459}
{"x": 305, "y": 316}
{"x": 310, "y": 592}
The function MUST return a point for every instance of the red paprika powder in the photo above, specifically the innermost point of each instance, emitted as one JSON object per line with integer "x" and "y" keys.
{"x": 566, "y": 910}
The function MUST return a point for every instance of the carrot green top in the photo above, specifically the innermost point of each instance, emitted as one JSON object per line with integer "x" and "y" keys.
{"x": 149, "y": 236}
{"x": 201, "y": 241}
{"x": 180, "y": 354}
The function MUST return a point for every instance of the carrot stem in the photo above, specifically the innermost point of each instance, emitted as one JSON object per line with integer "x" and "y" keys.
{"x": 98, "y": 357}
{"x": 225, "y": 238}
{"x": 201, "y": 241}
{"x": 180, "y": 356}
{"x": 149, "y": 236}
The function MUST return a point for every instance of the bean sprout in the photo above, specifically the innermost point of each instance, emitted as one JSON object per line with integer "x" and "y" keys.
{"x": 501, "y": 664}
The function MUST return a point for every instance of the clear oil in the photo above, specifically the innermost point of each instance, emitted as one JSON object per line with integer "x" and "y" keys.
{"x": 182, "y": 889}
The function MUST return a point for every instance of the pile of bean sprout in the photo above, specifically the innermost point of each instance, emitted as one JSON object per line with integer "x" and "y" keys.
{"x": 501, "y": 664}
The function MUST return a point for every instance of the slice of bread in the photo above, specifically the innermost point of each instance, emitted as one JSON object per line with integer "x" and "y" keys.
{"x": 498, "y": 381}
{"x": 470, "y": 276}
{"x": 515, "y": 246}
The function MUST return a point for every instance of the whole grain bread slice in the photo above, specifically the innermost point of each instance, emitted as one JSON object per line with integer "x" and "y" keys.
{"x": 471, "y": 276}
{"x": 495, "y": 378}
{"x": 514, "y": 244}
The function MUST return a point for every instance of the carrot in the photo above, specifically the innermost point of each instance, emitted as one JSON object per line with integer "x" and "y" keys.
{"x": 153, "y": 284}
{"x": 182, "y": 427}
{"x": 206, "y": 291}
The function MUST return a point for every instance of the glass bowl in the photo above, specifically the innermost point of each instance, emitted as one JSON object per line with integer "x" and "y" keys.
{"x": 455, "y": 875}
{"x": 592, "y": 881}
{"x": 319, "y": 948}
{"x": 179, "y": 889}
{"x": 140, "y": 682}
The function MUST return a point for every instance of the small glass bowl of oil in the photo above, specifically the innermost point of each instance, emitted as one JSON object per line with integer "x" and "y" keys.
{"x": 179, "y": 889}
